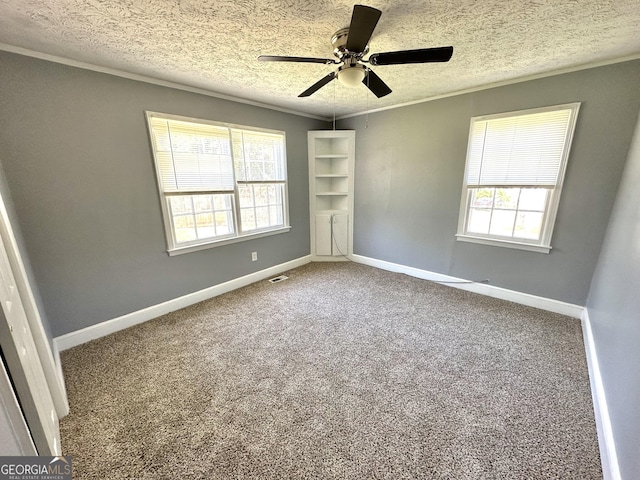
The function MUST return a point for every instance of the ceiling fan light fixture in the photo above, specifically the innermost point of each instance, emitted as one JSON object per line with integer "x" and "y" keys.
{"x": 352, "y": 75}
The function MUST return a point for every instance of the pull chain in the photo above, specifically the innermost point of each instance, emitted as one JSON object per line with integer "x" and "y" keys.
{"x": 334, "y": 105}
{"x": 366, "y": 118}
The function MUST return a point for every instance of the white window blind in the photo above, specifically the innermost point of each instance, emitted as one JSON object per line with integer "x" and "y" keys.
{"x": 192, "y": 157}
{"x": 523, "y": 150}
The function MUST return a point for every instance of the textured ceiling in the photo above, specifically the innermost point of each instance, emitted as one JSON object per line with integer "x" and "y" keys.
{"x": 214, "y": 44}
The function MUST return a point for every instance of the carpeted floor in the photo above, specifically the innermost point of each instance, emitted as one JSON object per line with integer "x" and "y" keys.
{"x": 341, "y": 372}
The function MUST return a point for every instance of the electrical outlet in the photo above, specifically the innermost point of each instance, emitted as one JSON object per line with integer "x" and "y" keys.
{"x": 254, "y": 256}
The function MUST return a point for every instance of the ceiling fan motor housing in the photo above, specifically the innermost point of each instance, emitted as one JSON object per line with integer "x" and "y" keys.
{"x": 339, "y": 43}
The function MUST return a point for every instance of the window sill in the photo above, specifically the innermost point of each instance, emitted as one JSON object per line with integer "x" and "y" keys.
{"x": 227, "y": 241}
{"x": 504, "y": 243}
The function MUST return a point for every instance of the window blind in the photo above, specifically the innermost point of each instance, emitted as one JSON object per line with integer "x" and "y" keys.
{"x": 192, "y": 157}
{"x": 524, "y": 150}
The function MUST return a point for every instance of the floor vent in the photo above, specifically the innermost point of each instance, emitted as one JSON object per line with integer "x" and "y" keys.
{"x": 278, "y": 279}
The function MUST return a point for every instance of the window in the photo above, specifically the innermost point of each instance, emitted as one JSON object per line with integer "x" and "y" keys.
{"x": 513, "y": 176}
{"x": 218, "y": 182}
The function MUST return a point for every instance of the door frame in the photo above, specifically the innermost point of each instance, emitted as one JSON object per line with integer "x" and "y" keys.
{"x": 51, "y": 368}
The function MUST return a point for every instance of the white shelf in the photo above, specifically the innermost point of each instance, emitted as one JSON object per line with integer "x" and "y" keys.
{"x": 332, "y": 211}
{"x": 331, "y": 166}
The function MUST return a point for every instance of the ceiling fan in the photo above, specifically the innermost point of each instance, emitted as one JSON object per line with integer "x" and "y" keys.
{"x": 351, "y": 44}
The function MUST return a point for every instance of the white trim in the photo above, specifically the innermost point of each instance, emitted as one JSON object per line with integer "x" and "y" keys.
{"x": 218, "y": 243}
{"x": 548, "y": 304}
{"x": 503, "y": 243}
{"x": 55, "y": 384}
{"x": 503, "y": 83}
{"x": 107, "y": 327}
{"x": 154, "y": 81}
{"x": 608, "y": 456}
{"x": 59, "y": 371}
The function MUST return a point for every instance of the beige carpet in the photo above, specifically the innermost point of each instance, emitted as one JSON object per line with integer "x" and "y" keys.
{"x": 341, "y": 372}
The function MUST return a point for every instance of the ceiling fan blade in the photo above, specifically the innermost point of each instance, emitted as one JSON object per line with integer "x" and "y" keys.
{"x": 423, "y": 55}
{"x": 276, "y": 58}
{"x": 318, "y": 85}
{"x": 363, "y": 22}
{"x": 375, "y": 84}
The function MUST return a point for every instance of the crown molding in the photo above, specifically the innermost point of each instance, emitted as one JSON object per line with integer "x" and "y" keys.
{"x": 575, "y": 68}
{"x": 146, "y": 79}
{"x": 202, "y": 91}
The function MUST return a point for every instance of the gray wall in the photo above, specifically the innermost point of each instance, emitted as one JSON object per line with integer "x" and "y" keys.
{"x": 410, "y": 163}
{"x": 614, "y": 306}
{"x": 77, "y": 159}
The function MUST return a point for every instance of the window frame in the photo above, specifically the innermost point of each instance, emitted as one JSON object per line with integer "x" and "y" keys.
{"x": 543, "y": 245}
{"x": 173, "y": 248}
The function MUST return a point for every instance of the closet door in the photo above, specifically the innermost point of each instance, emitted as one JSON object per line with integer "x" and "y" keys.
{"x": 23, "y": 362}
{"x": 323, "y": 234}
{"x": 340, "y": 235}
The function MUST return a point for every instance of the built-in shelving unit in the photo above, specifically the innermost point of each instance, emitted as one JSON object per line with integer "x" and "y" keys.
{"x": 331, "y": 166}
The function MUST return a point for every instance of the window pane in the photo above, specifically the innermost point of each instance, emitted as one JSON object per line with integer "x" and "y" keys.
{"x": 221, "y": 202}
{"x": 261, "y": 194}
{"x": 479, "y": 221}
{"x": 273, "y": 194}
{"x": 181, "y": 204}
{"x": 482, "y": 197}
{"x": 196, "y": 217}
{"x": 533, "y": 199}
{"x": 529, "y": 225}
{"x": 262, "y": 217}
{"x": 202, "y": 203}
{"x": 248, "y": 219}
{"x": 261, "y": 206}
{"x": 275, "y": 214}
{"x": 245, "y": 193}
{"x": 205, "y": 226}
{"x": 507, "y": 198}
{"x": 502, "y": 222}
{"x": 224, "y": 223}
{"x": 185, "y": 230}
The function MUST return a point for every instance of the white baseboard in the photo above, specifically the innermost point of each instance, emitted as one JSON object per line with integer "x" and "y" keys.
{"x": 56, "y": 356}
{"x": 609, "y": 458}
{"x": 548, "y": 304}
{"x": 107, "y": 327}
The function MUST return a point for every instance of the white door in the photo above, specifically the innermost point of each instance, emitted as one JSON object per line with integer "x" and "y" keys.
{"x": 15, "y": 438}
{"x": 323, "y": 234}
{"x": 24, "y": 364}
